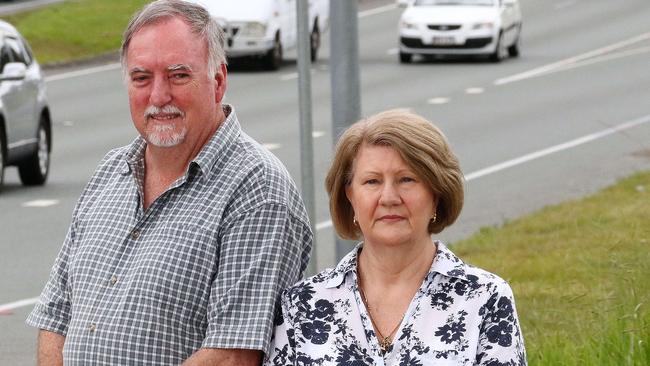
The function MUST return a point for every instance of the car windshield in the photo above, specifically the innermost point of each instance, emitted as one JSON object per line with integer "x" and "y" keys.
{"x": 454, "y": 2}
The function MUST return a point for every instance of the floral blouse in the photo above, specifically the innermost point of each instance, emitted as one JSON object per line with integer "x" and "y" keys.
{"x": 461, "y": 315}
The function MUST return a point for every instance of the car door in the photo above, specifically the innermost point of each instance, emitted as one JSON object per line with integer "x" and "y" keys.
{"x": 288, "y": 23}
{"x": 17, "y": 105}
{"x": 507, "y": 10}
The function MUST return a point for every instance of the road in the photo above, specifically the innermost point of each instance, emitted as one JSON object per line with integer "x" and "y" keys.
{"x": 566, "y": 119}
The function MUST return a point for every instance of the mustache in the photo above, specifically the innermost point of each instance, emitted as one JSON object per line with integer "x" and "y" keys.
{"x": 167, "y": 109}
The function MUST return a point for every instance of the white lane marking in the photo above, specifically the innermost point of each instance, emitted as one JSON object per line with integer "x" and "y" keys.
{"x": 439, "y": 100}
{"x": 557, "y": 148}
{"x": 17, "y": 304}
{"x": 381, "y": 9}
{"x": 392, "y": 51}
{"x": 272, "y": 146}
{"x": 293, "y": 75}
{"x": 474, "y": 90}
{"x": 67, "y": 123}
{"x": 317, "y": 134}
{"x": 537, "y": 154}
{"x": 571, "y": 60}
{"x": 40, "y": 203}
{"x": 595, "y": 60}
{"x": 91, "y": 70}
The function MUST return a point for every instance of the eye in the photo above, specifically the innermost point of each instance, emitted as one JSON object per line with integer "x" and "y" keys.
{"x": 180, "y": 77}
{"x": 139, "y": 79}
{"x": 407, "y": 179}
{"x": 371, "y": 181}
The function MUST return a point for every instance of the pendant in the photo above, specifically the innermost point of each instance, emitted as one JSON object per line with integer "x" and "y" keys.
{"x": 384, "y": 344}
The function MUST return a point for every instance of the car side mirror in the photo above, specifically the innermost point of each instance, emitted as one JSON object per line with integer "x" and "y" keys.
{"x": 13, "y": 71}
{"x": 405, "y": 3}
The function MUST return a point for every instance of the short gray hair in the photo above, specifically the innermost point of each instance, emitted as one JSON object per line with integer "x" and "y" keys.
{"x": 196, "y": 16}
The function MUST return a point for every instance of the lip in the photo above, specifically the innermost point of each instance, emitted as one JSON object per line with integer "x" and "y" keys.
{"x": 164, "y": 117}
{"x": 391, "y": 218}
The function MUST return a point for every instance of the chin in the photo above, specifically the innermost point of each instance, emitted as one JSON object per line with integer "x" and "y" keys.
{"x": 165, "y": 139}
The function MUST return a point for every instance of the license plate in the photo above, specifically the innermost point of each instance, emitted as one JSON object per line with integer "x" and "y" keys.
{"x": 443, "y": 41}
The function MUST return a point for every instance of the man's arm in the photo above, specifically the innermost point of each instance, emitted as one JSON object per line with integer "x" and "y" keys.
{"x": 224, "y": 357}
{"x": 50, "y": 348}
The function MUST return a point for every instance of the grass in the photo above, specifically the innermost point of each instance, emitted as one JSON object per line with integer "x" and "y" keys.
{"x": 75, "y": 29}
{"x": 581, "y": 276}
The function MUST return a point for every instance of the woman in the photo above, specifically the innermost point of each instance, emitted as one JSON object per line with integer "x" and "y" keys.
{"x": 399, "y": 298}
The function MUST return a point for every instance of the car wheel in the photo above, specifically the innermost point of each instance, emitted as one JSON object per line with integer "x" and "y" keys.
{"x": 515, "y": 49}
{"x": 314, "y": 43}
{"x": 2, "y": 156}
{"x": 405, "y": 58}
{"x": 501, "y": 51}
{"x": 34, "y": 170}
{"x": 273, "y": 58}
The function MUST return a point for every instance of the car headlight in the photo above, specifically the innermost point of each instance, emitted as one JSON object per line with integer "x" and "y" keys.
{"x": 253, "y": 29}
{"x": 405, "y": 24}
{"x": 483, "y": 25}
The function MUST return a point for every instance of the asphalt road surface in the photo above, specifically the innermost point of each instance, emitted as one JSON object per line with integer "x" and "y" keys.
{"x": 568, "y": 117}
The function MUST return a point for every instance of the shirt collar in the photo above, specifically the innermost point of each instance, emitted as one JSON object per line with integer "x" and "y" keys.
{"x": 446, "y": 263}
{"x": 214, "y": 150}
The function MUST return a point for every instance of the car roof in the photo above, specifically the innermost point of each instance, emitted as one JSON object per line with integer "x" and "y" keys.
{"x": 7, "y": 29}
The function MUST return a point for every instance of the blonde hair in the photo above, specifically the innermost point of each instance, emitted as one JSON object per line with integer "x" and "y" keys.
{"x": 422, "y": 146}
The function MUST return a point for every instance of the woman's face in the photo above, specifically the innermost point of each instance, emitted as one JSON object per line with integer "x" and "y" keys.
{"x": 392, "y": 205}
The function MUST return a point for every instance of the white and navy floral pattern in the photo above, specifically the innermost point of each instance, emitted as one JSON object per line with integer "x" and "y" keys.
{"x": 461, "y": 315}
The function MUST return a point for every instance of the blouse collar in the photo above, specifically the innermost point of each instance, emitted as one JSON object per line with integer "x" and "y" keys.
{"x": 446, "y": 263}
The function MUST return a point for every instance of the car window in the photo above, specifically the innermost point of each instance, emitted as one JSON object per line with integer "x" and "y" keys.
{"x": 15, "y": 50}
{"x": 454, "y": 2}
{"x": 5, "y": 56}
{"x": 27, "y": 51}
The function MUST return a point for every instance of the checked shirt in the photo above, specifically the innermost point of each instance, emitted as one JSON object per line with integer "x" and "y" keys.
{"x": 202, "y": 267}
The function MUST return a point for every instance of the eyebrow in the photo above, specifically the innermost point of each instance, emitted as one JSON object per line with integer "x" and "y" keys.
{"x": 177, "y": 67}
{"x": 174, "y": 67}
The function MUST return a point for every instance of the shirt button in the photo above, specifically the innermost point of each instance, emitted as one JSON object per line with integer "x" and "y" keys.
{"x": 92, "y": 328}
{"x": 135, "y": 234}
{"x": 113, "y": 280}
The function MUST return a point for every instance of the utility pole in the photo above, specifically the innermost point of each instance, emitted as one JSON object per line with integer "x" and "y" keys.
{"x": 344, "y": 68}
{"x": 306, "y": 123}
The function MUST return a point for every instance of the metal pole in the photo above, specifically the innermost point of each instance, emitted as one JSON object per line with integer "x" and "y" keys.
{"x": 344, "y": 67}
{"x": 306, "y": 137}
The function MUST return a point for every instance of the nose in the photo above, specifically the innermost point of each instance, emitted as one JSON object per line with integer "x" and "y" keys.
{"x": 160, "y": 92}
{"x": 389, "y": 195}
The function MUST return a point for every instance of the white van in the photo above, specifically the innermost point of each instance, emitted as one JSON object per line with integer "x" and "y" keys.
{"x": 266, "y": 28}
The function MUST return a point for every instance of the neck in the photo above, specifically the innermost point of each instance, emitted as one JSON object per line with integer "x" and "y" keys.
{"x": 386, "y": 266}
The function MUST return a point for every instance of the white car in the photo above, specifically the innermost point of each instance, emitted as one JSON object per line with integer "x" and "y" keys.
{"x": 25, "y": 123}
{"x": 265, "y": 29}
{"x": 460, "y": 27}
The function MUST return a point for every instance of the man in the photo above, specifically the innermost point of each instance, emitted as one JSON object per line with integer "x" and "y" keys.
{"x": 182, "y": 241}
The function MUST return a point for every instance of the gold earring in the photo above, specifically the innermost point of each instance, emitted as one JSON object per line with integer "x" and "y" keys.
{"x": 355, "y": 222}
{"x": 434, "y": 217}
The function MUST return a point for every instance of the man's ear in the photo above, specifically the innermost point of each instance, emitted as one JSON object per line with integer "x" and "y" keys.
{"x": 220, "y": 79}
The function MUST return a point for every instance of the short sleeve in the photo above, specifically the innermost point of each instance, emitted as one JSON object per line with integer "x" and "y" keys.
{"x": 500, "y": 340}
{"x": 283, "y": 345}
{"x": 52, "y": 311}
{"x": 261, "y": 253}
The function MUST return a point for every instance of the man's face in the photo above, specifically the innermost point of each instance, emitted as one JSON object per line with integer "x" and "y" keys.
{"x": 172, "y": 97}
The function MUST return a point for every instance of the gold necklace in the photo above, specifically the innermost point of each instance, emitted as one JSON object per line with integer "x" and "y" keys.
{"x": 384, "y": 341}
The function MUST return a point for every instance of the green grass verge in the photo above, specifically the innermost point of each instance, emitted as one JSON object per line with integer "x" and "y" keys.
{"x": 75, "y": 29}
{"x": 581, "y": 276}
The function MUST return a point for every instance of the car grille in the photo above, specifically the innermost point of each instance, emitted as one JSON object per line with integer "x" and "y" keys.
{"x": 444, "y": 27}
{"x": 469, "y": 43}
